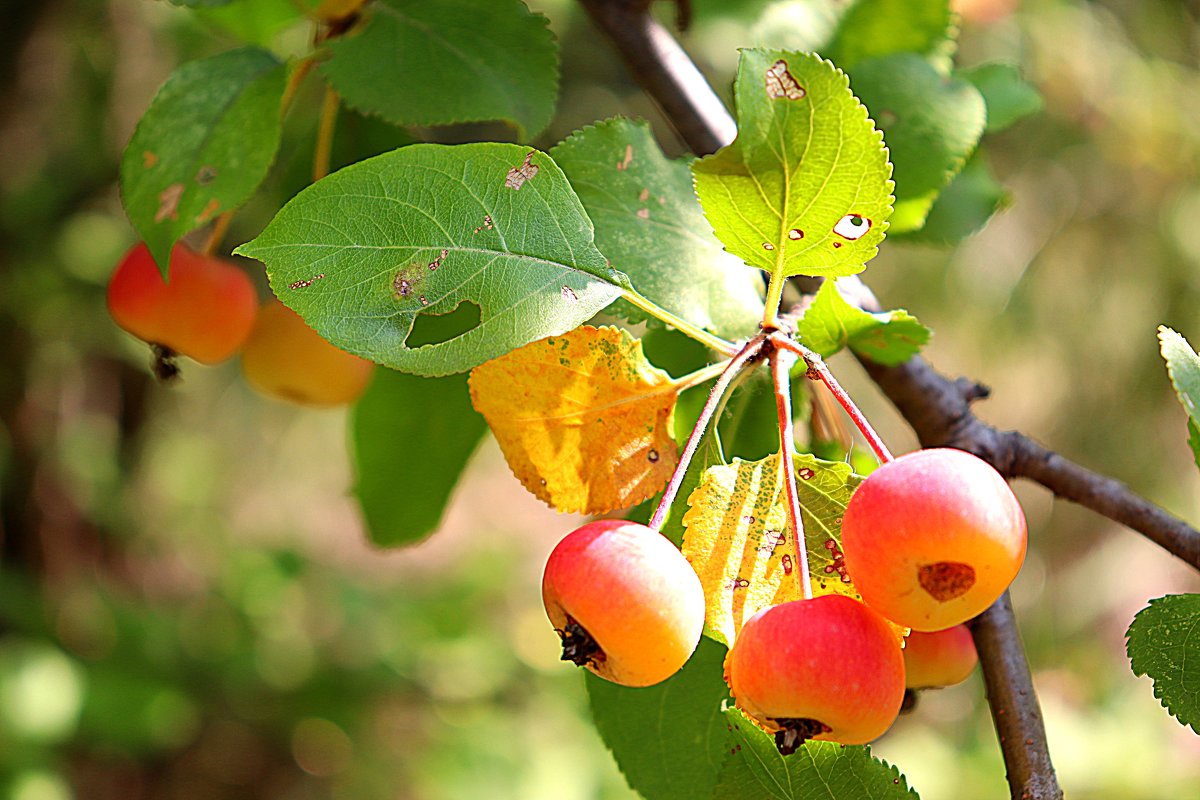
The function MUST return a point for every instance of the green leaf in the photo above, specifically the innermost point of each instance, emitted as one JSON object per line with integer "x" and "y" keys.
{"x": 931, "y": 123}
{"x": 668, "y": 739}
{"x": 804, "y": 189}
{"x": 649, "y": 224}
{"x": 1008, "y": 97}
{"x": 203, "y": 146}
{"x": 487, "y": 231}
{"x": 1164, "y": 643}
{"x": 422, "y": 63}
{"x": 200, "y": 3}
{"x": 254, "y": 21}
{"x": 874, "y": 28}
{"x": 831, "y": 323}
{"x": 412, "y": 437}
{"x": 1183, "y": 366}
{"x": 964, "y": 206}
{"x": 817, "y": 771}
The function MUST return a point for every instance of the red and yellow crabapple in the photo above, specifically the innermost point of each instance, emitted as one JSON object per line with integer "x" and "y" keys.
{"x": 285, "y": 358}
{"x": 205, "y": 311}
{"x": 828, "y": 668}
{"x": 625, "y": 602}
{"x": 939, "y": 658}
{"x": 932, "y": 538}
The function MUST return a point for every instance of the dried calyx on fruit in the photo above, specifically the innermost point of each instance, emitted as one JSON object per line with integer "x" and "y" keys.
{"x": 828, "y": 668}
{"x": 625, "y": 602}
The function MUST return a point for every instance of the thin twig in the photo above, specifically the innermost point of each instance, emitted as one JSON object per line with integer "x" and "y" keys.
{"x": 781, "y": 364}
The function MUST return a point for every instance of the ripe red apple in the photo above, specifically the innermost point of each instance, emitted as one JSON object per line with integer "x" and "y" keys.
{"x": 932, "y": 538}
{"x": 828, "y": 668}
{"x": 205, "y": 311}
{"x": 285, "y": 358}
{"x": 625, "y": 602}
{"x": 939, "y": 658}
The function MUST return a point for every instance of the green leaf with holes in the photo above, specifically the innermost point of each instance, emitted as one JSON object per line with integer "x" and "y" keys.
{"x": 669, "y": 739}
{"x": 874, "y": 28}
{"x": 420, "y": 63}
{"x": 1008, "y": 97}
{"x": 805, "y": 189}
{"x": 203, "y": 146}
{"x": 649, "y": 224}
{"x": 817, "y": 771}
{"x": 831, "y": 323}
{"x": 1164, "y": 643}
{"x": 1183, "y": 366}
{"x": 488, "y": 233}
{"x": 399, "y": 416}
{"x": 931, "y": 123}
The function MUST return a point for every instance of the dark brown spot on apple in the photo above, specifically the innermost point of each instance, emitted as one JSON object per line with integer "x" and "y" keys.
{"x": 946, "y": 580}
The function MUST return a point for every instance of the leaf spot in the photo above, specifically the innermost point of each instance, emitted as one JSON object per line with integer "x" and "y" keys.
{"x": 148, "y": 159}
{"x": 209, "y": 211}
{"x": 768, "y": 246}
{"x": 652, "y": 456}
{"x": 487, "y": 223}
{"x": 206, "y": 175}
{"x": 852, "y": 227}
{"x": 806, "y": 474}
{"x": 518, "y": 175}
{"x": 168, "y": 202}
{"x": 644, "y": 195}
{"x": 787, "y": 564}
{"x": 569, "y": 295}
{"x": 405, "y": 283}
{"x": 437, "y": 262}
{"x": 886, "y": 119}
{"x": 643, "y": 213}
{"x": 306, "y": 283}
{"x": 624, "y": 165}
{"x": 780, "y": 83}
{"x": 795, "y": 234}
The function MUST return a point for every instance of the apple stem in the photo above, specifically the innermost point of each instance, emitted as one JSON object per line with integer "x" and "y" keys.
{"x": 680, "y": 324}
{"x": 751, "y": 350}
{"x": 781, "y": 364}
{"x": 217, "y": 234}
{"x": 324, "y": 146}
{"x": 817, "y": 370}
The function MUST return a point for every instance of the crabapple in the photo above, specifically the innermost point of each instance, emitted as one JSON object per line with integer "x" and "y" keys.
{"x": 285, "y": 358}
{"x": 625, "y": 602}
{"x": 827, "y": 668}
{"x": 932, "y": 538}
{"x": 204, "y": 311}
{"x": 939, "y": 658}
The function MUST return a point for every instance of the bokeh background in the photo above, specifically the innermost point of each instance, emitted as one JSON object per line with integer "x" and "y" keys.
{"x": 188, "y": 607}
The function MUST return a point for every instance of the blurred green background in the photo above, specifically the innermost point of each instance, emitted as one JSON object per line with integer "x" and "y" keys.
{"x": 187, "y": 605}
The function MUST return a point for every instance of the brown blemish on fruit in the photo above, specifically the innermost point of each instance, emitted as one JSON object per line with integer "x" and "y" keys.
{"x": 578, "y": 646}
{"x": 946, "y": 580}
{"x": 624, "y": 165}
{"x": 795, "y": 732}
{"x": 164, "y": 363}
{"x": 210, "y": 211}
{"x": 306, "y": 283}
{"x": 148, "y": 159}
{"x": 518, "y": 175}
{"x": 780, "y": 82}
{"x": 168, "y": 202}
{"x": 206, "y": 175}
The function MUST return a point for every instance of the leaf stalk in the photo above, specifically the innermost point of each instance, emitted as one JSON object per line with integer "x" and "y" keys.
{"x": 781, "y": 364}
{"x": 680, "y": 324}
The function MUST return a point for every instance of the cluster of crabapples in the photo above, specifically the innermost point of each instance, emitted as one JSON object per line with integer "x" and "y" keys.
{"x": 930, "y": 540}
{"x": 208, "y": 310}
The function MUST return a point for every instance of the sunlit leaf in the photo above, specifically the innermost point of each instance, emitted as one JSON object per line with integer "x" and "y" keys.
{"x": 670, "y": 739}
{"x": 817, "y": 771}
{"x": 1183, "y": 365}
{"x": 930, "y": 123}
{"x": 805, "y": 188}
{"x": 832, "y": 323}
{"x": 649, "y": 224}
{"x": 874, "y": 28}
{"x": 584, "y": 419}
{"x": 1008, "y": 97}
{"x": 488, "y": 236}
{"x": 203, "y": 146}
{"x": 422, "y": 63}
{"x": 1164, "y": 643}
{"x": 738, "y": 540}
{"x": 412, "y": 438}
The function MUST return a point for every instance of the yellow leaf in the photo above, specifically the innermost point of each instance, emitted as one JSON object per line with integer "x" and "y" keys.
{"x": 584, "y": 419}
{"x": 739, "y": 541}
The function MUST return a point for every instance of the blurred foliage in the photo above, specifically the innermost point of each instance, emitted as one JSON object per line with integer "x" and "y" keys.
{"x": 188, "y": 606}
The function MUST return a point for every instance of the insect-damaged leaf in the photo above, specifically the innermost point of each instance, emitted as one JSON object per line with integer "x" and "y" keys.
{"x": 805, "y": 189}
{"x": 422, "y": 63}
{"x": 427, "y": 230}
{"x": 739, "y": 542}
{"x": 649, "y": 223}
{"x": 584, "y": 419}
{"x": 831, "y": 323}
{"x": 203, "y": 146}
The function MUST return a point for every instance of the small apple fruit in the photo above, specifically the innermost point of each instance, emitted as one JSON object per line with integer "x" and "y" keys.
{"x": 939, "y": 658}
{"x": 625, "y": 602}
{"x": 932, "y": 538}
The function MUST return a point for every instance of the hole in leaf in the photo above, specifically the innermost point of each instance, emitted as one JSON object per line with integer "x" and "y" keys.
{"x": 431, "y": 328}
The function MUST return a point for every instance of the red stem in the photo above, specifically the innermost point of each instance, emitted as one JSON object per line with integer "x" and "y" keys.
{"x": 780, "y": 366}
{"x": 818, "y": 371}
{"x": 751, "y": 349}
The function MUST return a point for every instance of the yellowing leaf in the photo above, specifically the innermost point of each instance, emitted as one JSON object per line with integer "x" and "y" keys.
{"x": 738, "y": 539}
{"x": 584, "y": 419}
